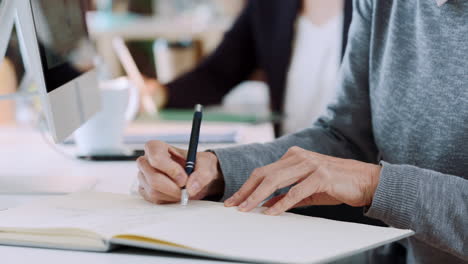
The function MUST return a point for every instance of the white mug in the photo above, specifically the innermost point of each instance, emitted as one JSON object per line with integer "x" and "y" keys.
{"x": 103, "y": 133}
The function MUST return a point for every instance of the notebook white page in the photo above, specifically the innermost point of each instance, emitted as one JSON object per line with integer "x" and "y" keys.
{"x": 205, "y": 226}
{"x": 106, "y": 214}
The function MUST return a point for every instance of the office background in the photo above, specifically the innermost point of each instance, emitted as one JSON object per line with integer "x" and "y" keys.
{"x": 154, "y": 30}
{"x": 213, "y": 17}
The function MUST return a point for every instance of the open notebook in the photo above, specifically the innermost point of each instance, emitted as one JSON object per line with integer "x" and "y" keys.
{"x": 99, "y": 221}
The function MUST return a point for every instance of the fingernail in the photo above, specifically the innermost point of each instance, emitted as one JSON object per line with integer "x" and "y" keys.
{"x": 243, "y": 205}
{"x": 229, "y": 201}
{"x": 270, "y": 211}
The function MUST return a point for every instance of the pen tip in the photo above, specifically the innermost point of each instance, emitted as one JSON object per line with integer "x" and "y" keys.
{"x": 198, "y": 108}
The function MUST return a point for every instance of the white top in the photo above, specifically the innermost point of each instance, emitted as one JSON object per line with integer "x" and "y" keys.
{"x": 313, "y": 72}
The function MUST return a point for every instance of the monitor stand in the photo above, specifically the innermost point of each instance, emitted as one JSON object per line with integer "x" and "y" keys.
{"x": 9, "y": 19}
{"x": 24, "y": 176}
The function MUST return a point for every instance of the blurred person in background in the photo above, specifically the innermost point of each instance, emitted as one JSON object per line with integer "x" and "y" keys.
{"x": 11, "y": 73}
{"x": 296, "y": 44}
{"x": 8, "y": 86}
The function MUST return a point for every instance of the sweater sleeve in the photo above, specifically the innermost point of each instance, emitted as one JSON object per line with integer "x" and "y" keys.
{"x": 346, "y": 131}
{"x": 233, "y": 61}
{"x": 433, "y": 204}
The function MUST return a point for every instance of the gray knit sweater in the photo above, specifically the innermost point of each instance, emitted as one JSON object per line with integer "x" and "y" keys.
{"x": 403, "y": 100}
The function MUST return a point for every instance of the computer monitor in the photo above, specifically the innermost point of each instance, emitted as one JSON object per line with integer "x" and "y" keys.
{"x": 56, "y": 51}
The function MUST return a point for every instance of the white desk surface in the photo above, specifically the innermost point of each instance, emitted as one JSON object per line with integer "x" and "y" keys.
{"x": 24, "y": 153}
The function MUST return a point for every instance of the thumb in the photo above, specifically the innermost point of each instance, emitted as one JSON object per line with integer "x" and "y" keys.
{"x": 316, "y": 199}
{"x": 178, "y": 155}
{"x": 200, "y": 179}
{"x": 273, "y": 200}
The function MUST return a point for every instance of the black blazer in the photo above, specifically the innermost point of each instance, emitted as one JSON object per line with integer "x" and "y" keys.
{"x": 261, "y": 38}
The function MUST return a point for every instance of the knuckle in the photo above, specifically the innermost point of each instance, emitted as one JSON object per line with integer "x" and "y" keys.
{"x": 154, "y": 160}
{"x": 295, "y": 194}
{"x": 269, "y": 181}
{"x": 241, "y": 192}
{"x": 153, "y": 145}
{"x": 140, "y": 164}
{"x": 237, "y": 195}
{"x": 173, "y": 171}
{"x": 304, "y": 155}
{"x": 153, "y": 195}
{"x": 253, "y": 197}
{"x": 140, "y": 159}
{"x": 295, "y": 150}
{"x": 310, "y": 163}
{"x": 149, "y": 146}
{"x": 153, "y": 182}
{"x": 258, "y": 172}
{"x": 156, "y": 143}
{"x": 322, "y": 174}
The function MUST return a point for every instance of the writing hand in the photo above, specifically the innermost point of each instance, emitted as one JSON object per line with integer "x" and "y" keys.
{"x": 162, "y": 175}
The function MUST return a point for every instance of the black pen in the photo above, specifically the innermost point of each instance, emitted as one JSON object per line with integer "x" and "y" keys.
{"x": 192, "y": 150}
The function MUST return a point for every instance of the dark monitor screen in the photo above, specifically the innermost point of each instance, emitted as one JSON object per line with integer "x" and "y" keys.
{"x": 66, "y": 51}
{"x": 13, "y": 53}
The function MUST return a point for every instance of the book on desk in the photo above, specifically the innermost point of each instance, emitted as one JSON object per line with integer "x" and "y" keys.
{"x": 95, "y": 221}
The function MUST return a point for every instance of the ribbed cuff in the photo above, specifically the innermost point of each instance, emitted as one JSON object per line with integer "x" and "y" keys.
{"x": 234, "y": 173}
{"x": 394, "y": 201}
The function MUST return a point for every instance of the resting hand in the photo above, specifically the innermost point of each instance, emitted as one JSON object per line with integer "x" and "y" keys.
{"x": 318, "y": 179}
{"x": 162, "y": 175}
{"x": 158, "y": 91}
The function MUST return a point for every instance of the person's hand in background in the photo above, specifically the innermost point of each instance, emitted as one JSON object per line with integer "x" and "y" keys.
{"x": 162, "y": 174}
{"x": 8, "y": 86}
{"x": 158, "y": 92}
{"x": 316, "y": 179}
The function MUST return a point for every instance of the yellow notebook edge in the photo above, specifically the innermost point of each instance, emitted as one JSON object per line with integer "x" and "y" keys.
{"x": 155, "y": 244}
{"x": 51, "y": 239}
{"x": 165, "y": 246}
{"x": 34, "y": 244}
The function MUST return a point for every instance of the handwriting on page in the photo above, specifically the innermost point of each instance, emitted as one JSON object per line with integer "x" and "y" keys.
{"x": 204, "y": 226}
{"x": 104, "y": 213}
